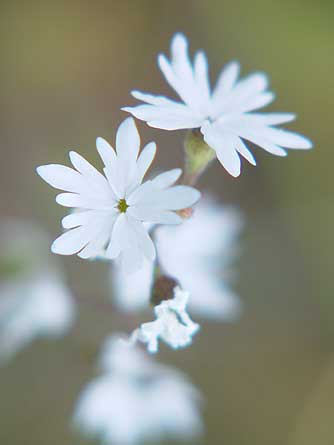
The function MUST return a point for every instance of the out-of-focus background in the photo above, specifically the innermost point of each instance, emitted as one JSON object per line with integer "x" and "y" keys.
{"x": 66, "y": 69}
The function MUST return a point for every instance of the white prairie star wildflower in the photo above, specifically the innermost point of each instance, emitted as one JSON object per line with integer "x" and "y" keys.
{"x": 225, "y": 115}
{"x": 172, "y": 325}
{"x": 136, "y": 399}
{"x": 112, "y": 208}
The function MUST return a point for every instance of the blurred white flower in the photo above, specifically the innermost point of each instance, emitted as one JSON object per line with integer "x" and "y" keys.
{"x": 199, "y": 254}
{"x": 132, "y": 293}
{"x": 223, "y": 115}
{"x": 136, "y": 399}
{"x": 172, "y": 325}
{"x": 113, "y": 207}
{"x": 34, "y": 300}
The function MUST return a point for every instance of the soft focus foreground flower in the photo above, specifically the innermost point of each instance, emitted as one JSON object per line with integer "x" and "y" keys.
{"x": 137, "y": 400}
{"x": 225, "y": 115}
{"x": 34, "y": 300}
{"x": 112, "y": 208}
{"x": 199, "y": 254}
{"x": 172, "y": 325}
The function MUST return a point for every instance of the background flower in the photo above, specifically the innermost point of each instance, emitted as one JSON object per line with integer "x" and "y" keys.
{"x": 34, "y": 299}
{"x": 200, "y": 254}
{"x": 136, "y": 399}
{"x": 172, "y": 324}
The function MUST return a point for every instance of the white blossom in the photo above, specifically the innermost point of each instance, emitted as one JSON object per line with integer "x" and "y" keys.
{"x": 172, "y": 324}
{"x": 199, "y": 255}
{"x": 136, "y": 400}
{"x": 34, "y": 300}
{"x": 224, "y": 115}
{"x": 112, "y": 207}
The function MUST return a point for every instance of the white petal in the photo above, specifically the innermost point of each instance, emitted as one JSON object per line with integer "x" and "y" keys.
{"x": 225, "y": 82}
{"x": 153, "y": 99}
{"x": 178, "y": 197}
{"x": 264, "y": 119}
{"x": 269, "y": 146}
{"x": 157, "y": 216}
{"x": 120, "y": 232}
{"x": 186, "y": 89}
{"x": 144, "y": 239}
{"x": 96, "y": 246}
{"x": 85, "y": 202}
{"x": 201, "y": 72}
{"x": 106, "y": 151}
{"x": 191, "y": 84}
{"x": 114, "y": 247}
{"x": 180, "y": 58}
{"x": 248, "y": 87}
{"x": 223, "y": 143}
{"x": 86, "y": 169}
{"x": 174, "y": 117}
{"x": 142, "y": 192}
{"x": 71, "y": 200}
{"x": 178, "y": 72}
{"x": 286, "y": 138}
{"x": 131, "y": 260}
{"x": 76, "y": 219}
{"x": 61, "y": 177}
{"x": 145, "y": 160}
{"x": 243, "y": 150}
{"x": 72, "y": 241}
{"x": 127, "y": 141}
{"x": 256, "y": 102}
{"x": 176, "y": 124}
{"x": 167, "y": 178}
{"x": 229, "y": 158}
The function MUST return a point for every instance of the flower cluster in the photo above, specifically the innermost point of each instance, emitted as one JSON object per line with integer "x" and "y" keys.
{"x": 166, "y": 248}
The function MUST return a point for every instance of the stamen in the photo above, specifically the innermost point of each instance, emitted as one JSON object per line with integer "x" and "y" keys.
{"x": 122, "y": 205}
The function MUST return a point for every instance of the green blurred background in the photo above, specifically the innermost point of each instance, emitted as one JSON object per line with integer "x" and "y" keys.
{"x": 66, "y": 69}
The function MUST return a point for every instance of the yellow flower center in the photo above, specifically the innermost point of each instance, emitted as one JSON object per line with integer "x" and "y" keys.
{"x": 122, "y": 205}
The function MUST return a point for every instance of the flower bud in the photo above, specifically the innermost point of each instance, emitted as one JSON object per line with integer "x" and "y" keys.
{"x": 163, "y": 289}
{"x": 198, "y": 155}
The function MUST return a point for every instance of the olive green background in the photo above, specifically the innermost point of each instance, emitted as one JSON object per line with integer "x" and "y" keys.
{"x": 66, "y": 69}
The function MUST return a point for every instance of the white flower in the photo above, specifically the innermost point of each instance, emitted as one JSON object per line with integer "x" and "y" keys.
{"x": 34, "y": 301}
{"x": 137, "y": 400}
{"x": 132, "y": 293}
{"x": 199, "y": 255}
{"x": 172, "y": 325}
{"x": 112, "y": 208}
{"x": 224, "y": 114}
